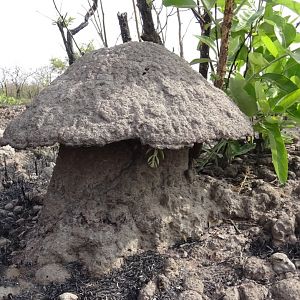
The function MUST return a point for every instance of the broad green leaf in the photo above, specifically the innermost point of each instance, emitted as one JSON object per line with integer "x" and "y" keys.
{"x": 275, "y": 19}
{"x": 291, "y": 4}
{"x": 292, "y": 68}
{"x": 200, "y": 61}
{"x": 296, "y": 80}
{"x": 285, "y": 102}
{"x": 208, "y": 41}
{"x": 234, "y": 44}
{"x": 180, "y": 3}
{"x": 264, "y": 105}
{"x": 289, "y": 32}
{"x": 246, "y": 103}
{"x": 285, "y": 34}
{"x": 246, "y": 16}
{"x": 276, "y": 67}
{"x": 236, "y": 149}
{"x": 261, "y": 97}
{"x": 295, "y": 54}
{"x": 209, "y": 4}
{"x": 269, "y": 45}
{"x": 294, "y": 112}
{"x": 297, "y": 38}
{"x": 279, "y": 153}
{"x": 257, "y": 59}
{"x": 259, "y": 90}
{"x": 267, "y": 28}
{"x": 284, "y": 83}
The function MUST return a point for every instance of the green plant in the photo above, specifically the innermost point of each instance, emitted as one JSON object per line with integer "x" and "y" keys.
{"x": 4, "y": 100}
{"x": 225, "y": 151}
{"x": 154, "y": 157}
{"x": 263, "y": 66}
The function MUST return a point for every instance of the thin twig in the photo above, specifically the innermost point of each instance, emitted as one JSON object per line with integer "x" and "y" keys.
{"x": 136, "y": 21}
{"x": 180, "y": 34}
{"x": 103, "y": 24}
{"x": 96, "y": 21}
{"x": 59, "y": 24}
{"x": 216, "y": 31}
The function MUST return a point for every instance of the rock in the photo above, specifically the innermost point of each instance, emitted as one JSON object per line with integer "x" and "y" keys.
{"x": 193, "y": 283}
{"x": 38, "y": 199}
{"x": 20, "y": 221}
{"x": 9, "y": 206}
{"x": 171, "y": 269}
{"x": 232, "y": 170}
{"x": 6, "y": 290}
{"x": 231, "y": 293}
{"x": 258, "y": 269}
{"x": 15, "y": 202}
{"x": 265, "y": 173}
{"x": 7, "y": 151}
{"x": 52, "y": 273}
{"x": 283, "y": 229}
{"x": 287, "y": 289}
{"x": 253, "y": 291}
{"x": 67, "y": 296}
{"x": 281, "y": 263}
{"x": 3, "y": 212}
{"x": 4, "y": 242}
{"x": 164, "y": 282}
{"x": 273, "y": 193}
{"x": 12, "y": 272}
{"x": 48, "y": 171}
{"x": 36, "y": 208}
{"x": 190, "y": 295}
{"x": 18, "y": 209}
{"x": 292, "y": 175}
{"x": 148, "y": 291}
{"x": 297, "y": 190}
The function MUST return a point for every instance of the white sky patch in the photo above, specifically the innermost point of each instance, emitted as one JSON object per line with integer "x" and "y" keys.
{"x": 30, "y": 40}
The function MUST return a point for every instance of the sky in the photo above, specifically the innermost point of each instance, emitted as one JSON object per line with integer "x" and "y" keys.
{"x": 30, "y": 40}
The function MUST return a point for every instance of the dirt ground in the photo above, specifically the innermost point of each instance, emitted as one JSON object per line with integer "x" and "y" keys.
{"x": 251, "y": 252}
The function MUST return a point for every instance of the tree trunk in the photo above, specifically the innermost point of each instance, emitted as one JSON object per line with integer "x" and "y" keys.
{"x": 225, "y": 32}
{"x": 149, "y": 32}
{"x": 125, "y": 32}
{"x": 204, "y": 48}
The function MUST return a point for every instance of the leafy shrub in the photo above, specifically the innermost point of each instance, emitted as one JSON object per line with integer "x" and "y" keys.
{"x": 11, "y": 100}
{"x": 263, "y": 66}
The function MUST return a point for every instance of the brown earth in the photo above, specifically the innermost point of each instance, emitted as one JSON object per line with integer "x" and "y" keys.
{"x": 232, "y": 258}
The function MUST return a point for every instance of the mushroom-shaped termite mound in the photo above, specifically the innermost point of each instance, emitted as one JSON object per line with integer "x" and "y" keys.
{"x": 104, "y": 202}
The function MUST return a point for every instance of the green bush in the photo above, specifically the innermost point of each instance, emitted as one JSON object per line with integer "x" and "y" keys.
{"x": 4, "y": 100}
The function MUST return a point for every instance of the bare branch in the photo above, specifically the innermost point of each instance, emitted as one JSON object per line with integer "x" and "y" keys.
{"x": 68, "y": 41}
{"x": 103, "y": 24}
{"x": 136, "y": 21}
{"x": 180, "y": 33}
{"x": 98, "y": 25}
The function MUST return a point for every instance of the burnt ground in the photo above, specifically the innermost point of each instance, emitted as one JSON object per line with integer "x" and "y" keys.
{"x": 231, "y": 260}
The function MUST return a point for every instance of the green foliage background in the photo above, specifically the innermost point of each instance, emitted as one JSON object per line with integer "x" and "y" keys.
{"x": 263, "y": 66}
